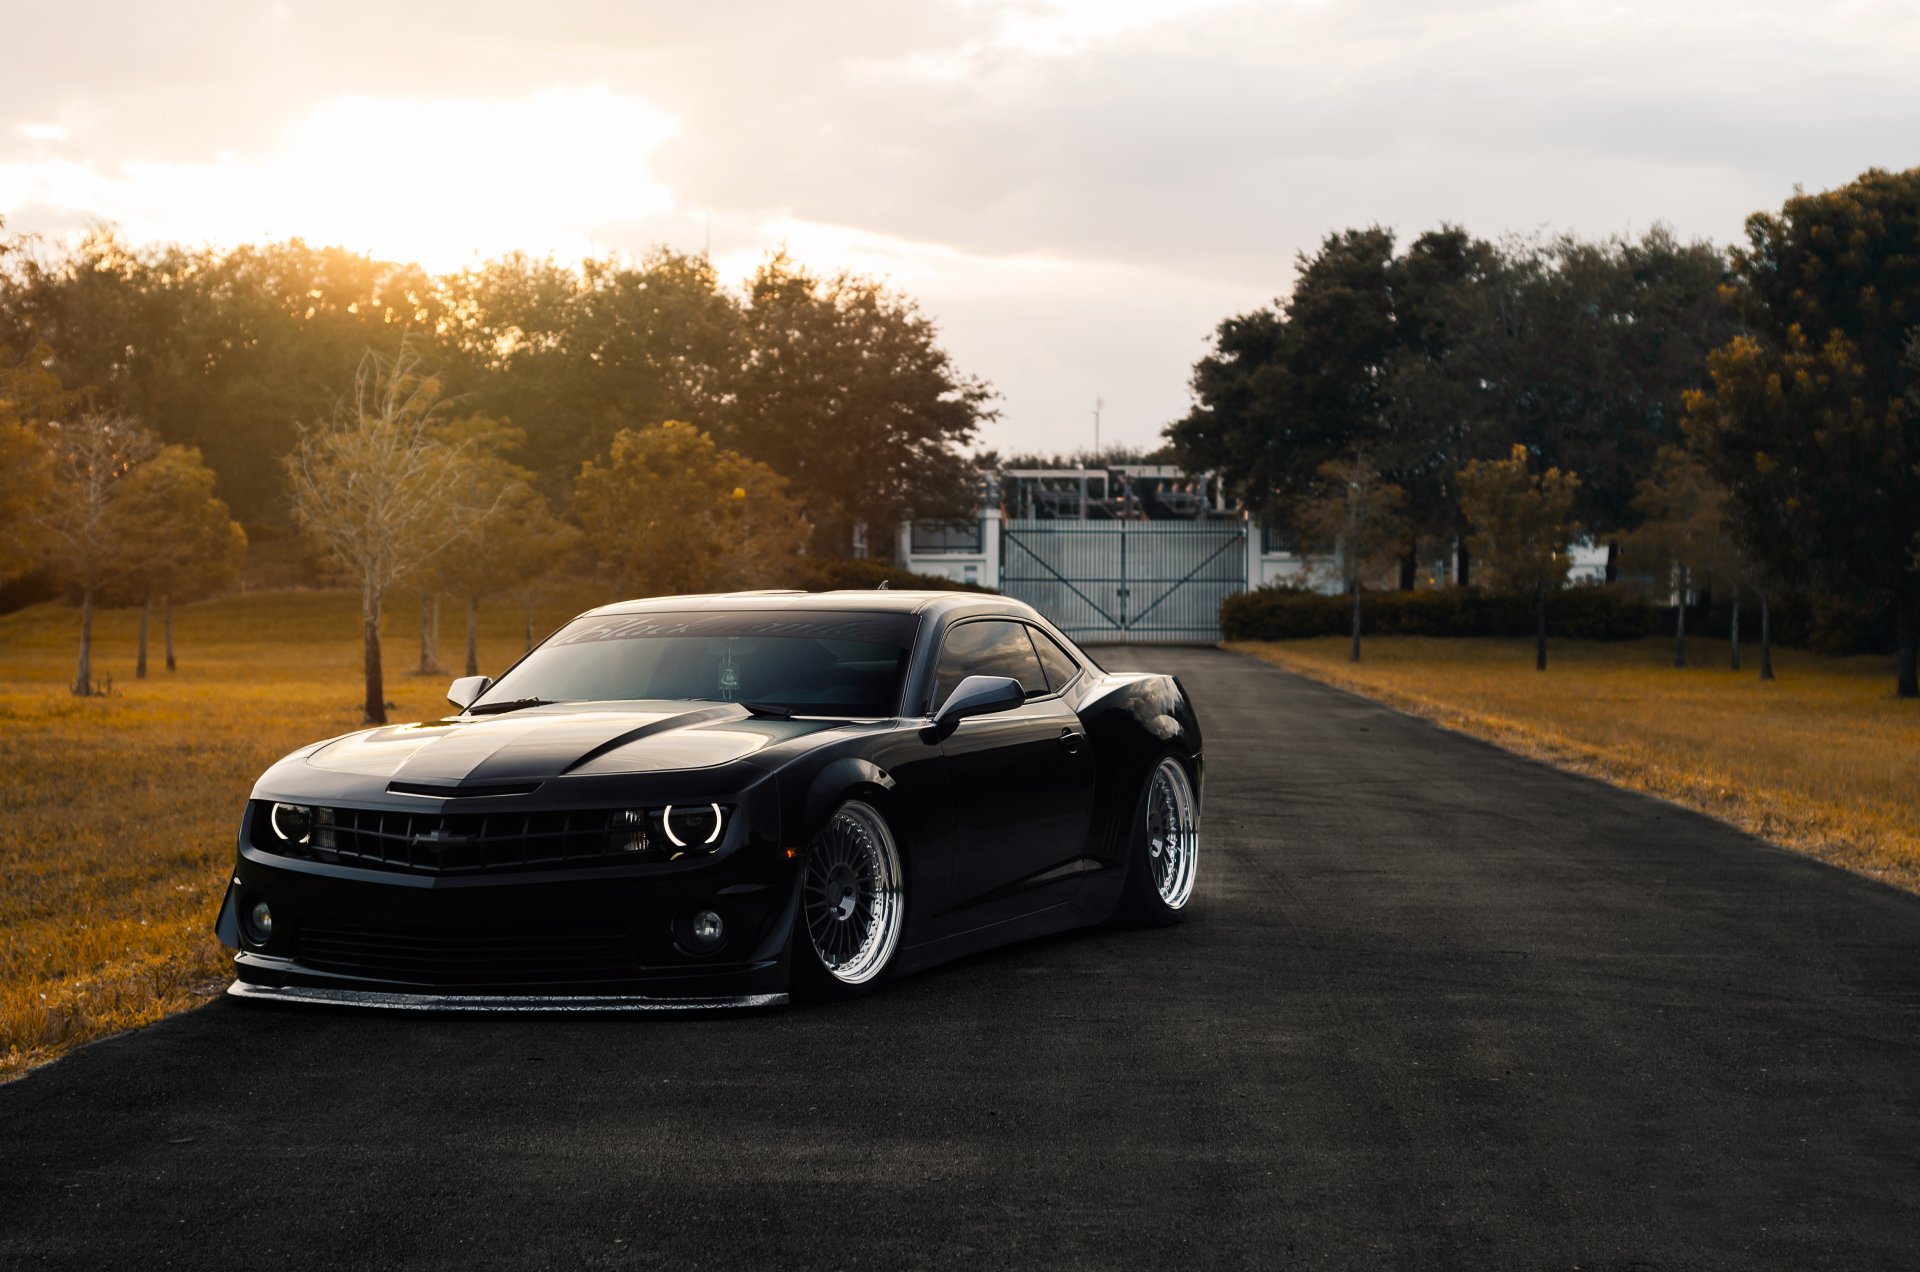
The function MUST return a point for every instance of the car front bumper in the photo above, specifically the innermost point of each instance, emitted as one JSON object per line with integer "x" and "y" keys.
{"x": 581, "y": 939}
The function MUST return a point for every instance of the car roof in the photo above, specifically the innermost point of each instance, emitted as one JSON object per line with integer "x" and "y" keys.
{"x": 883, "y": 600}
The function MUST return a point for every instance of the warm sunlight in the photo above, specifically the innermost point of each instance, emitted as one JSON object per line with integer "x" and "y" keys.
{"x": 434, "y": 180}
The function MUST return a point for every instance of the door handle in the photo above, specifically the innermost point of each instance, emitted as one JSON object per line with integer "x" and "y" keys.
{"x": 1072, "y": 740}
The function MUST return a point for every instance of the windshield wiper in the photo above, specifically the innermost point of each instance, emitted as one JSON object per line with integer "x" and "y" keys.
{"x": 495, "y": 708}
{"x": 768, "y": 710}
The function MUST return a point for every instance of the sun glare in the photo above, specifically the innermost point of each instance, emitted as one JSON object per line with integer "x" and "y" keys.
{"x": 432, "y": 180}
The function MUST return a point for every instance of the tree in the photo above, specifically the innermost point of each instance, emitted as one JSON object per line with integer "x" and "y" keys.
{"x": 844, "y": 391}
{"x": 95, "y": 524}
{"x": 1808, "y": 420}
{"x": 1290, "y": 387}
{"x": 196, "y": 546}
{"x": 223, "y": 351}
{"x": 513, "y": 549}
{"x": 1451, "y": 317}
{"x": 1685, "y": 534}
{"x": 29, "y": 398}
{"x": 1610, "y": 335}
{"x": 1522, "y": 523}
{"x": 377, "y": 486}
{"x": 669, "y": 511}
{"x": 1359, "y": 516}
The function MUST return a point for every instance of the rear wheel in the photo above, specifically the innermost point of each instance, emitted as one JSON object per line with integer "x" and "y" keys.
{"x": 1163, "y": 855}
{"x": 852, "y": 904}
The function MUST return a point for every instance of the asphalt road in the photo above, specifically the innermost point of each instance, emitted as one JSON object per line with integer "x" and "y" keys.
{"x": 1435, "y": 1006}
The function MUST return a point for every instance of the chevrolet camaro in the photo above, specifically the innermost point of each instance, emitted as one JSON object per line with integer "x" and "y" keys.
{"x": 722, "y": 800}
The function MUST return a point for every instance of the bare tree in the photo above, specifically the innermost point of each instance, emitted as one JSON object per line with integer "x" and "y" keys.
{"x": 92, "y": 525}
{"x": 377, "y": 486}
{"x": 1357, "y": 513}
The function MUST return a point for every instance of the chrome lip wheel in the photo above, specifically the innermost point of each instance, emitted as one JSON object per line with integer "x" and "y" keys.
{"x": 1173, "y": 832}
{"x": 851, "y": 894}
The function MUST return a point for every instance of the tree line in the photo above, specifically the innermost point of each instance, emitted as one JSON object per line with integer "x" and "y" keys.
{"x": 470, "y": 435}
{"x": 1745, "y": 422}
{"x": 837, "y": 383}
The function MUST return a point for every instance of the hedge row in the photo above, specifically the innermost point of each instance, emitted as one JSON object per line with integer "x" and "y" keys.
{"x": 826, "y": 574}
{"x": 1588, "y": 613}
{"x": 1821, "y": 624}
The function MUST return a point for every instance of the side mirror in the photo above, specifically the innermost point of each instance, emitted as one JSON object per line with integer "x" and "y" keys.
{"x": 465, "y": 691}
{"x": 979, "y": 695}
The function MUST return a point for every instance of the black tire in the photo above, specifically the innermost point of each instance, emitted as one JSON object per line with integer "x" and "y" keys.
{"x": 852, "y": 906}
{"x": 1160, "y": 871}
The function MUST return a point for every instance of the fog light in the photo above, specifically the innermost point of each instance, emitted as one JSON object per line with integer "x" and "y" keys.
{"x": 701, "y": 932}
{"x": 259, "y": 923}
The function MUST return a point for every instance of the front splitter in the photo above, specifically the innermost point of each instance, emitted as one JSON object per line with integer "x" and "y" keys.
{"x": 497, "y": 1002}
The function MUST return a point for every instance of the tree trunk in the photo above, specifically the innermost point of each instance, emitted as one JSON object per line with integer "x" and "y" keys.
{"x": 83, "y": 675}
{"x": 428, "y": 663}
{"x": 473, "y": 635}
{"x": 1680, "y": 623}
{"x": 1766, "y": 640}
{"x": 1539, "y": 627}
{"x": 1613, "y": 560}
{"x": 166, "y": 627}
{"x": 1905, "y": 603}
{"x": 376, "y": 704}
{"x": 140, "y": 648}
{"x": 1356, "y": 619}
{"x": 1733, "y": 634}
{"x": 1462, "y": 573}
{"x": 1410, "y": 565}
{"x": 529, "y": 624}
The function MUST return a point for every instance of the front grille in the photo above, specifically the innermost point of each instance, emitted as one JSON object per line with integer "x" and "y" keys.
{"x": 463, "y": 843}
{"x": 477, "y": 956}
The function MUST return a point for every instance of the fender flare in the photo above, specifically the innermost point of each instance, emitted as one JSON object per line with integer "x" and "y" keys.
{"x": 831, "y": 783}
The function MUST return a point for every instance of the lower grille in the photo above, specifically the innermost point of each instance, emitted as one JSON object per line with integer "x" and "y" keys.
{"x": 453, "y": 956}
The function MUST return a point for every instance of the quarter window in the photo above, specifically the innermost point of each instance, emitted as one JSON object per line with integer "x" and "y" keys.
{"x": 1057, "y": 662}
{"x": 990, "y": 647}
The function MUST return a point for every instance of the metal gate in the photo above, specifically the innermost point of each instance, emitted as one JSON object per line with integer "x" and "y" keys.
{"x": 1144, "y": 581}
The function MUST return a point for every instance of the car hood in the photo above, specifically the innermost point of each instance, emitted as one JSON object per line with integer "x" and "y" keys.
{"x": 538, "y": 743}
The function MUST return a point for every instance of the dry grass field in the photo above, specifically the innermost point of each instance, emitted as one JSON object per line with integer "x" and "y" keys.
{"x": 118, "y": 814}
{"x": 1823, "y": 760}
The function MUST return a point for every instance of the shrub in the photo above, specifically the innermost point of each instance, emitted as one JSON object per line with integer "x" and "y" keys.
{"x": 1585, "y": 613}
{"x": 826, "y": 574}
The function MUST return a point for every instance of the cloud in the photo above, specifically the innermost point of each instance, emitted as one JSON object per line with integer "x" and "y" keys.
{"x": 1077, "y": 189}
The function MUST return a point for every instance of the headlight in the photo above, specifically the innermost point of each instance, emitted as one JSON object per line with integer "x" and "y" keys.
{"x": 292, "y": 822}
{"x": 693, "y": 825}
{"x": 675, "y": 831}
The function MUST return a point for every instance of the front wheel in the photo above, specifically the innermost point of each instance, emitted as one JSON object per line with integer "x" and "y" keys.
{"x": 852, "y": 904}
{"x": 1164, "y": 849}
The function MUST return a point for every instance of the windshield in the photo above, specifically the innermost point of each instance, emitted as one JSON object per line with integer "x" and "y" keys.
{"x": 809, "y": 662}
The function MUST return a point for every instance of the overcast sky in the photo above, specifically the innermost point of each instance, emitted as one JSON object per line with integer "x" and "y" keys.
{"x": 1075, "y": 190}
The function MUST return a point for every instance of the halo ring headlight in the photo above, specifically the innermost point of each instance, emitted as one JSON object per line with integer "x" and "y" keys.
{"x": 292, "y": 822}
{"x": 719, "y": 820}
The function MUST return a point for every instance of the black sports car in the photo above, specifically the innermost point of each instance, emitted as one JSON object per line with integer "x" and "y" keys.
{"x": 711, "y": 800}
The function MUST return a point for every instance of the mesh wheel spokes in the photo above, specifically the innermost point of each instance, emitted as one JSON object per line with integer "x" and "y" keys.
{"x": 1173, "y": 833}
{"x": 850, "y": 894}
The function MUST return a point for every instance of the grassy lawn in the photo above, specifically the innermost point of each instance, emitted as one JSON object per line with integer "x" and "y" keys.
{"x": 1823, "y": 760}
{"x": 118, "y": 814}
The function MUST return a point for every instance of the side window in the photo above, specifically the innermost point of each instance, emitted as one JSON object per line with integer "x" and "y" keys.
{"x": 988, "y": 647}
{"x": 1057, "y": 662}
